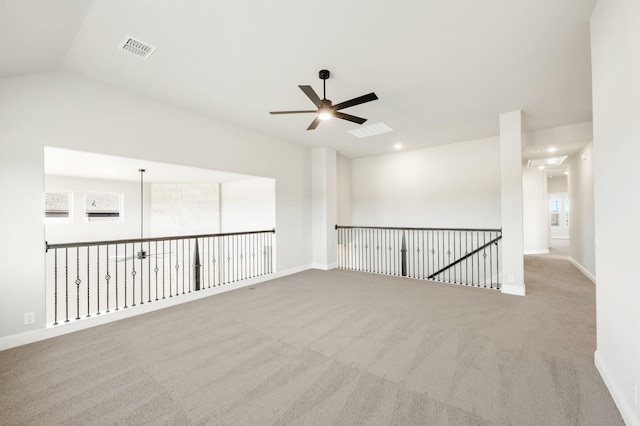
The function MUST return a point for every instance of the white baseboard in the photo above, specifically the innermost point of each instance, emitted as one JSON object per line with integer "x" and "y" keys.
{"x": 324, "y": 266}
{"x": 51, "y": 330}
{"x": 582, "y": 269}
{"x": 515, "y": 290}
{"x": 536, "y": 252}
{"x": 629, "y": 415}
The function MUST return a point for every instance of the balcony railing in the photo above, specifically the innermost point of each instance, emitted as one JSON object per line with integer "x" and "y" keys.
{"x": 91, "y": 278}
{"x": 461, "y": 256}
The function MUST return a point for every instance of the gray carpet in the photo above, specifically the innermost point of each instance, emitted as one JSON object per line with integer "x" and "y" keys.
{"x": 334, "y": 347}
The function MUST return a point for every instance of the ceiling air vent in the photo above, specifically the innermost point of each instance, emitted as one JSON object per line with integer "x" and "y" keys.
{"x": 543, "y": 162}
{"x": 137, "y": 47}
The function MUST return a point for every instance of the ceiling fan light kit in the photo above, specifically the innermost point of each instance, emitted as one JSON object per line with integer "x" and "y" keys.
{"x": 325, "y": 108}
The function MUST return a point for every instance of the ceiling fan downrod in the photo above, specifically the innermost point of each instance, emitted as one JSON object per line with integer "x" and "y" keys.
{"x": 324, "y": 76}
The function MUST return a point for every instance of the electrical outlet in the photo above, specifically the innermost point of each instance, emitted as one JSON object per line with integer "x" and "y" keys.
{"x": 510, "y": 278}
{"x": 29, "y": 318}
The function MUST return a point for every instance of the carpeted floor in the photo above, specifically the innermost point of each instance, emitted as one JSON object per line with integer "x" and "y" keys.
{"x": 334, "y": 347}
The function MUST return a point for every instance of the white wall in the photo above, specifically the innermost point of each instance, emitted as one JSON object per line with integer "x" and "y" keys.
{"x": 184, "y": 209}
{"x": 82, "y": 230}
{"x": 343, "y": 171}
{"x": 581, "y": 213}
{"x": 615, "y": 31}
{"x": 535, "y": 212}
{"x": 325, "y": 206}
{"x": 455, "y": 185}
{"x": 248, "y": 205}
{"x": 66, "y": 111}
{"x": 557, "y": 184}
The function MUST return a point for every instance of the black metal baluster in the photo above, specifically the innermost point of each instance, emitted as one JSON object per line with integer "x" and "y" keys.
{"x": 254, "y": 259}
{"x": 498, "y": 280}
{"x": 149, "y": 270}
{"x": 448, "y": 253}
{"x": 220, "y": 260}
{"x": 156, "y": 269}
{"x": 142, "y": 257}
{"x": 169, "y": 266}
{"x": 244, "y": 256}
{"x": 460, "y": 251}
{"x": 466, "y": 261}
{"x": 88, "y": 285}
{"x": 484, "y": 255}
{"x": 196, "y": 267}
{"x": 66, "y": 272}
{"x": 403, "y": 250}
{"x": 116, "y": 267}
{"x": 107, "y": 278}
{"x": 55, "y": 287}
{"x": 208, "y": 262}
{"x": 235, "y": 256}
{"x": 478, "y": 257}
{"x": 177, "y": 268}
{"x": 98, "y": 278}
{"x": 228, "y": 260}
{"x": 125, "y": 276}
{"x": 78, "y": 283}
{"x": 183, "y": 268}
{"x": 491, "y": 237}
{"x": 133, "y": 274}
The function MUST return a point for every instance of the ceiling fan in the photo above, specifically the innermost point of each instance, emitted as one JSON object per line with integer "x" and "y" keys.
{"x": 325, "y": 109}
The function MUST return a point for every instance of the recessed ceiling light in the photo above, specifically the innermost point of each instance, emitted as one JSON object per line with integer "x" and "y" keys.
{"x": 552, "y": 149}
{"x": 541, "y": 167}
{"x": 370, "y": 130}
{"x": 398, "y": 146}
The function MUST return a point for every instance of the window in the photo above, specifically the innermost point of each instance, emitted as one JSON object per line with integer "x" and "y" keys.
{"x": 57, "y": 206}
{"x": 559, "y": 212}
{"x": 103, "y": 206}
{"x": 555, "y": 212}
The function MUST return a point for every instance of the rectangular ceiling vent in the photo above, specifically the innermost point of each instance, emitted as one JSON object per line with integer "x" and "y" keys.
{"x": 370, "y": 130}
{"x": 543, "y": 162}
{"x": 137, "y": 47}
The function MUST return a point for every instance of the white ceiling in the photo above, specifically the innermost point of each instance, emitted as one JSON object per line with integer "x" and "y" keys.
{"x": 443, "y": 69}
{"x": 64, "y": 162}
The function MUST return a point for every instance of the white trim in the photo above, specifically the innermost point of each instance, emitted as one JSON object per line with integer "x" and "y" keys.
{"x": 624, "y": 405}
{"x": 582, "y": 269}
{"x": 536, "y": 252}
{"x": 515, "y": 290}
{"x": 50, "y": 331}
{"x": 560, "y": 237}
{"x": 324, "y": 266}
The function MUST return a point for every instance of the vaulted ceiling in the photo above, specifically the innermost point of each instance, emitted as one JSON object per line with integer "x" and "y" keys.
{"x": 443, "y": 69}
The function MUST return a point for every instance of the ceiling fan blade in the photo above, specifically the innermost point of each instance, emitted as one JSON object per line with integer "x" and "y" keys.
{"x": 314, "y": 123}
{"x": 349, "y": 117}
{"x": 293, "y": 112}
{"x": 311, "y": 94}
{"x": 356, "y": 101}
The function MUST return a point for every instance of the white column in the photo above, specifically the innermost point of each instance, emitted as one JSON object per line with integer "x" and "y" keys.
{"x": 512, "y": 199}
{"x": 324, "y": 204}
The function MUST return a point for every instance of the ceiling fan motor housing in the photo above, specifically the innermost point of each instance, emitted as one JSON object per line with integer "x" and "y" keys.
{"x": 324, "y": 74}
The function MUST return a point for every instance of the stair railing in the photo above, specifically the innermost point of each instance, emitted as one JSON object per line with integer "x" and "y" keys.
{"x": 91, "y": 278}
{"x": 452, "y": 255}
